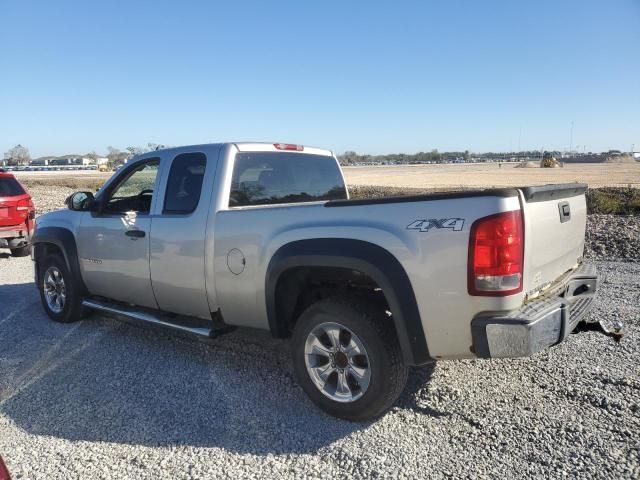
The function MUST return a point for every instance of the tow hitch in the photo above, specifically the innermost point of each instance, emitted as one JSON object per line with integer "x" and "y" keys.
{"x": 613, "y": 330}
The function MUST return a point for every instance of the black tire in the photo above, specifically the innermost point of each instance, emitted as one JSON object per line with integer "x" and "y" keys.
{"x": 72, "y": 310}
{"x": 21, "y": 251}
{"x": 375, "y": 330}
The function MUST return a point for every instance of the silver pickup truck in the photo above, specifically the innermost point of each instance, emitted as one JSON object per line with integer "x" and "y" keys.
{"x": 206, "y": 238}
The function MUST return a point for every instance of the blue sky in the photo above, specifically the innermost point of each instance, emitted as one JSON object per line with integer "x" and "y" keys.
{"x": 366, "y": 76}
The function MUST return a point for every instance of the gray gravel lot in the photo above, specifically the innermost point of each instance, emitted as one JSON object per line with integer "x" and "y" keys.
{"x": 48, "y": 199}
{"x": 105, "y": 399}
{"x": 613, "y": 237}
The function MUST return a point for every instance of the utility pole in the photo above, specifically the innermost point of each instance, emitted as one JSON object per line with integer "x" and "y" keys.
{"x": 571, "y": 138}
{"x": 519, "y": 138}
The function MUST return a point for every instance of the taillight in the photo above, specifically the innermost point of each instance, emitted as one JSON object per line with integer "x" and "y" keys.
{"x": 496, "y": 255}
{"x": 24, "y": 208}
{"x": 288, "y": 146}
{"x": 24, "y": 205}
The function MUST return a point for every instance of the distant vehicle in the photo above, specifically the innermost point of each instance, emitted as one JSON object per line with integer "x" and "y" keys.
{"x": 16, "y": 216}
{"x": 59, "y": 163}
{"x": 39, "y": 163}
{"x": 206, "y": 238}
{"x": 103, "y": 167}
{"x": 10, "y": 162}
{"x": 70, "y": 163}
{"x": 81, "y": 161}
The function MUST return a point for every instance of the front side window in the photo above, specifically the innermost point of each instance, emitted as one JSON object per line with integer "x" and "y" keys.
{"x": 267, "y": 178}
{"x": 185, "y": 183}
{"x": 135, "y": 192}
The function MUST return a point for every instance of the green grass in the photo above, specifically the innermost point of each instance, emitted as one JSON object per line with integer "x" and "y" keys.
{"x": 615, "y": 201}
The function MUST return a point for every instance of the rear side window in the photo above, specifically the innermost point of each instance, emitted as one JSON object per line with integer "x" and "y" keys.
{"x": 185, "y": 183}
{"x": 9, "y": 187}
{"x": 267, "y": 178}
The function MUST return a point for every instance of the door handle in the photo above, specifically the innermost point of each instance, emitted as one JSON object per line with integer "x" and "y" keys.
{"x": 134, "y": 233}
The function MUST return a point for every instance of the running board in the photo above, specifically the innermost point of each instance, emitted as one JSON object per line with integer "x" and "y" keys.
{"x": 149, "y": 318}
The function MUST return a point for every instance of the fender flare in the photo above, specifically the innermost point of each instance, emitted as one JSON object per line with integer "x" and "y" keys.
{"x": 64, "y": 239}
{"x": 368, "y": 258}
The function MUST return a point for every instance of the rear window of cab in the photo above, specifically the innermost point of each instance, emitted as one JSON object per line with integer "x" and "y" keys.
{"x": 268, "y": 178}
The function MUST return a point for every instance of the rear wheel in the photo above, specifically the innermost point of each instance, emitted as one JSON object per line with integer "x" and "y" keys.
{"x": 347, "y": 358}
{"x": 59, "y": 291}
{"x": 21, "y": 251}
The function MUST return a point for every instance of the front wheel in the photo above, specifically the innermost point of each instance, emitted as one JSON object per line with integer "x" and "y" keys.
{"x": 59, "y": 291}
{"x": 347, "y": 358}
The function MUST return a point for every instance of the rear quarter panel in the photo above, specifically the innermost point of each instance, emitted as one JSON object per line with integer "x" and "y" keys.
{"x": 435, "y": 260}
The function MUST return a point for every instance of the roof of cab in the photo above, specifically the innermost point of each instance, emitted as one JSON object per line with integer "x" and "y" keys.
{"x": 242, "y": 147}
{"x": 280, "y": 147}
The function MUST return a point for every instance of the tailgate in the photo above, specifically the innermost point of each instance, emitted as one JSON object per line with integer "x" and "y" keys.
{"x": 555, "y": 219}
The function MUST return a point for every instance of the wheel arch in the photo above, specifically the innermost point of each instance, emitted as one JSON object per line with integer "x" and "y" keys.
{"x": 371, "y": 260}
{"x": 48, "y": 239}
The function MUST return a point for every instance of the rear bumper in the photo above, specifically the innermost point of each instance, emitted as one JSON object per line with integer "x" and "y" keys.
{"x": 14, "y": 236}
{"x": 540, "y": 323}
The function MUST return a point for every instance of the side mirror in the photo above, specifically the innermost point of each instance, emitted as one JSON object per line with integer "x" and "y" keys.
{"x": 80, "y": 201}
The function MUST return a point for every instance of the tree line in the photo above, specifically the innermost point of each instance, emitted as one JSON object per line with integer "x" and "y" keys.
{"x": 434, "y": 156}
{"x": 20, "y": 156}
{"x": 351, "y": 157}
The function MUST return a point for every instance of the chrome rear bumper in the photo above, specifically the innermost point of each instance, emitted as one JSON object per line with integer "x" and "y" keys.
{"x": 538, "y": 324}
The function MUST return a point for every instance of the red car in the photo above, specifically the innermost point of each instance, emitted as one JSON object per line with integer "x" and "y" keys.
{"x": 4, "y": 472}
{"x": 16, "y": 215}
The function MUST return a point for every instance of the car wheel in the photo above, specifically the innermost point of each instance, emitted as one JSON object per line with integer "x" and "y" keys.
{"x": 21, "y": 252}
{"x": 59, "y": 291}
{"x": 347, "y": 358}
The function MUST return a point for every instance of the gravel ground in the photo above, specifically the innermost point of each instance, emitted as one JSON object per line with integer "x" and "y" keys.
{"x": 104, "y": 399}
{"x": 47, "y": 199}
{"x": 613, "y": 237}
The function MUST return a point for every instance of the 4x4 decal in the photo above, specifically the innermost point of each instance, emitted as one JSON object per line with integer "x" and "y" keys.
{"x": 454, "y": 224}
